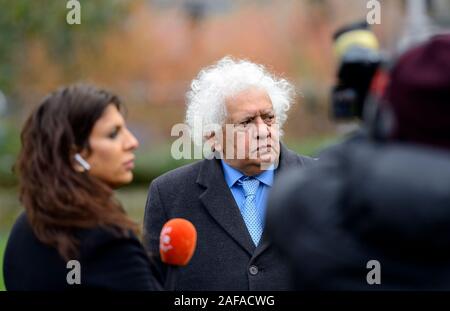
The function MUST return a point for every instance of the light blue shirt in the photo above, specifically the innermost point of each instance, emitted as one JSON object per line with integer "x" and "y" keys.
{"x": 232, "y": 175}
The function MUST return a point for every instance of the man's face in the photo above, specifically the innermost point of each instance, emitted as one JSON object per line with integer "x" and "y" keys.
{"x": 250, "y": 133}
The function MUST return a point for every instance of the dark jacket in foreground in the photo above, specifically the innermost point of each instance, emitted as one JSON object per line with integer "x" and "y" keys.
{"x": 225, "y": 258}
{"x": 107, "y": 262}
{"x": 362, "y": 202}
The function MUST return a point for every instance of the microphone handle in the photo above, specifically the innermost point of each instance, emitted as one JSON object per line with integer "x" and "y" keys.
{"x": 171, "y": 280}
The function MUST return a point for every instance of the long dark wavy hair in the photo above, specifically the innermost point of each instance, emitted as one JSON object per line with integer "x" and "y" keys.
{"x": 58, "y": 199}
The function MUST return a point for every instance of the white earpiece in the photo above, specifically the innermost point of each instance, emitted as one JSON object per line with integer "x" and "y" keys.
{"x": 82, "y": 162}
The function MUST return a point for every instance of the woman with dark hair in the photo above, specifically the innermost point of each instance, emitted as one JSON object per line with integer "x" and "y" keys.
{"x": 76, "y": 149}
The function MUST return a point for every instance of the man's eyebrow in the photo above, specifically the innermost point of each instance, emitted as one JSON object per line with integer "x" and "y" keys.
{"x": 250, "y": 117}
{"x": 267, "y": 111}
{"x": 247, "y": 118}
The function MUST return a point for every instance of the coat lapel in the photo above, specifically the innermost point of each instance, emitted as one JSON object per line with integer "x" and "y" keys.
{"x": 219, "y": 202}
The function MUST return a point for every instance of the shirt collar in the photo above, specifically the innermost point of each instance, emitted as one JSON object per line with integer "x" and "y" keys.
{"x": 232, "y": 175}
{"x": 266, "y": 177}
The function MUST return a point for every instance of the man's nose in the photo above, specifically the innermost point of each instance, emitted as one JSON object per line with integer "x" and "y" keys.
{"x": 262, "y": 129}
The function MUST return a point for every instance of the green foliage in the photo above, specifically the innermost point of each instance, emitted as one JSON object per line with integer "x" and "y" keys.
{"x": 2, "y": 250}
{"x": 311, "y": 146}
{"x": 9, "y": 148}
{"x": 21, "y": 20}
{"x": 153, "y": 163}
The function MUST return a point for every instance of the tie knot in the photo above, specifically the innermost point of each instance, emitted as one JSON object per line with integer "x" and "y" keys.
{"x": 250, "y": 185}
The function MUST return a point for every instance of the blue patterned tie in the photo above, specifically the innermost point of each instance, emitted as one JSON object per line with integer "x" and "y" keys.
{"x": 249, "y": 211}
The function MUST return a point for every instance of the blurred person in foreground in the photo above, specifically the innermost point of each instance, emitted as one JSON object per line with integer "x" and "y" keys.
{"x": 385, "y": 199}
{"x": 76, "y": 149}
{"x": 240, "y": 108}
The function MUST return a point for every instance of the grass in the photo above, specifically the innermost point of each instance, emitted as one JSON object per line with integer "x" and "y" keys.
{"x": 3, "y": 240}
{"x": 311, "y": 146}
{"x": 10, "y": 209}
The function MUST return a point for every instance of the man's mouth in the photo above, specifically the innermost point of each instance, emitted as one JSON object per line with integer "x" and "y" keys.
{"x": 264, "y": 149}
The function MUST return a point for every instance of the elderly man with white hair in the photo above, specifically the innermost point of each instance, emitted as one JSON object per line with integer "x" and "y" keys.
{"x": 238, "y": 108}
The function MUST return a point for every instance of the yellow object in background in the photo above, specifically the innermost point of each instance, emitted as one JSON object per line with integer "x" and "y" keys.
{"x": 360, "y": 37}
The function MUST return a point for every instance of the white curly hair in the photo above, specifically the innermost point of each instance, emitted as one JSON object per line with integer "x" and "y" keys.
{"x": 209, "y": 90}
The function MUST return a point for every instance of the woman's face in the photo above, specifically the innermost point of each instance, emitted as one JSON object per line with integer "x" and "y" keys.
{"x": 112, "y": 149}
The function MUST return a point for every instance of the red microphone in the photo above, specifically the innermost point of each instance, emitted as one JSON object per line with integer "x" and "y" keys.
{"x": 177, "y": 242}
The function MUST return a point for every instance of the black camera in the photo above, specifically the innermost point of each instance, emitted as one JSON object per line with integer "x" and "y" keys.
{"x": 360, "y": 58}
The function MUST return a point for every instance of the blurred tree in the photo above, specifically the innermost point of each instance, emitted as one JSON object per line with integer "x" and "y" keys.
{"x": 45, "y": 20}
